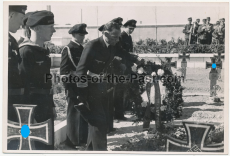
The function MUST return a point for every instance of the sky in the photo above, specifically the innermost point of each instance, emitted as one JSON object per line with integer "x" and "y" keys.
{"x": 145, "y": 14}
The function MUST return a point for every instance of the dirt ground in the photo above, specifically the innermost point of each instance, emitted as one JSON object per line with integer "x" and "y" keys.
{"x": 196, "y": 107}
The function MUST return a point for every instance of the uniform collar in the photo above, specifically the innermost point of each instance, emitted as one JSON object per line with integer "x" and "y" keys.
{"x": 127, "y": 33}
{"x": 106, "y": 43}
{"x": 28, "y": 42}
{"x": 76, "y": 42}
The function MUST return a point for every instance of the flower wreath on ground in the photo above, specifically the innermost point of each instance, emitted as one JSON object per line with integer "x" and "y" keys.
{"x": 171, "y": 92}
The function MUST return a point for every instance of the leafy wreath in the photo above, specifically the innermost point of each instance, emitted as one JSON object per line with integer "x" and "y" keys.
{"x": 171, "y": 103}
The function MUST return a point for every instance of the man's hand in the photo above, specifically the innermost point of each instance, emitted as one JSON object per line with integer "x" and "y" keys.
{"x": 140, "y": 61}
{"x": 82, "y": 99}
{"x": 117, "y": 58}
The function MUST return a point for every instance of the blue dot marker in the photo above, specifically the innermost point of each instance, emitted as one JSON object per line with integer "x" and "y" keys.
{"x": 213, "y": 65}
{"x": 25, "y": 131}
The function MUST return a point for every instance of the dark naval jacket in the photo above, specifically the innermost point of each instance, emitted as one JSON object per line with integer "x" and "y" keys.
{"x": 35, "y": 65}
{"x": 127, "y": 42}
{"x": 14, "y": 79}
{"x": 67, "y": 66}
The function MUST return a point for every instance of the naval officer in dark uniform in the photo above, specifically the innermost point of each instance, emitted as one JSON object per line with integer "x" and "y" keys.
{"x": 15, "y": 86}
{"x": 96, "y": 57}
{"x": 77, "y": 127}
{"x": 120, "y": 68}
{"x": 34, "y": 68}
{"x": 117, "y": 95}
{"x": 126, "y": 38}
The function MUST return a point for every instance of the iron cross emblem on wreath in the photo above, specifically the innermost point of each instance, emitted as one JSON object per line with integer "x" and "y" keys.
{"x": 196, "y": 135}
{"x": 37, "y": 131}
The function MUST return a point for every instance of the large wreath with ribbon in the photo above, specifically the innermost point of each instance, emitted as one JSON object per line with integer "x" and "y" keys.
{"x": 170, "y": 93}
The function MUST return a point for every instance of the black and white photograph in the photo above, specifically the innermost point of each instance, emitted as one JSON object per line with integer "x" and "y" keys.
{"x": 115, "y": 77}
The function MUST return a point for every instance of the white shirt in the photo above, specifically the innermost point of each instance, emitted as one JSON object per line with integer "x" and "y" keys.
{"x": 106, "y": 43}
{"x": 127, "y": 33}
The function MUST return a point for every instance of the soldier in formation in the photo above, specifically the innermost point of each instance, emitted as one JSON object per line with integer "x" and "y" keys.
{"x": 35, "y": 67}
{"x": 15, "y": 84}
{"x": 77, "y": 127}
{"x": 219, "y": 32}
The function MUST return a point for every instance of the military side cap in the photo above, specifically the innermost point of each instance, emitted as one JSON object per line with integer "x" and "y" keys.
{"x": 40, "y": 18}
{"x": 24, "y": 20}
{"x": 118, "y": 20}
{"x": 208, "y": 18}
{"x": 222, "y": 19}
{"x": 197, "y": 19}
{"x": 217, "y": 22}
{"x": 18, "y": 8}
{"x": 131, "y": 23}
{"x": 190, "y": 19}
{"x": 101, "y": 28}
{"x": 78, "y": 28}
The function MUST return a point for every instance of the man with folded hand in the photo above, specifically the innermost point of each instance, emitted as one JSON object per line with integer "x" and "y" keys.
{"x": 34, "y": 68}
{"x": 77, "y": 127}
{"x": 202, "y": 32}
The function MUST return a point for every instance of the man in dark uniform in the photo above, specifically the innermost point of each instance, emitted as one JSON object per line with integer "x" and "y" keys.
{"x": 219, "y": 33}
{"x": 35, "y": 66}
{"x": 210, "y": 30}
{"x": 77, "y": 127}
{"x": 126, "y": 38}
{"x": 95, "y": 59}
{"x": 15, "y": 86}
{"x": 202, "y": 32}
{"x": 188, "y": 32}
{"x": 117, "y": 95}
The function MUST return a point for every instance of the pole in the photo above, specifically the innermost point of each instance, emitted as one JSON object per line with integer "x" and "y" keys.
{"x": 81, "y": 15}
{"x": 48, "y": 8}
{"x": 97, "y": 22}
{"x": 156, "y": 20}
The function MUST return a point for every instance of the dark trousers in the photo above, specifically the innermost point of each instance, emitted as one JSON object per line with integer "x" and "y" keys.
{"x": 119, "y": 101}
{"x": 77, "y": 127}
{"x": 204, "y": 42}
{"x": 111, "y": 103}
{"x": 98, "y": 117}
{"x": 43, "y": 112}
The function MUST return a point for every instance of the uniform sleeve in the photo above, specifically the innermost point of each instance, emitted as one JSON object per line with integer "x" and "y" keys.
{"x": 131, "y": 46}
{"x": 84, "y": 64}
{"x": 26, "y": 65}
{"x": 126, "y": 55}
{"x": 123, "y": 42}
{"x": 64, "y": 66}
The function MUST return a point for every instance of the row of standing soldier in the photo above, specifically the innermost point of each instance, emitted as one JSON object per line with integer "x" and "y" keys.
{"x": 30, "y": 62}
{"x": 205, "y": 33}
